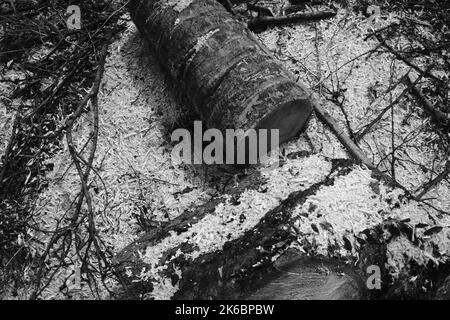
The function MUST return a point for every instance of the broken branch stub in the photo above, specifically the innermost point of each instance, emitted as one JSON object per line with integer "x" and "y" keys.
{"x": 229, "y": 77}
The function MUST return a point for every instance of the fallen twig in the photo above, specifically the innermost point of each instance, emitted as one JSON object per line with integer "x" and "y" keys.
{"x": 437, "y": 115}
{"x": 427, "y": 72}
{"x": 83, "y": 176}
{"x": 432, "y": 183}
{"x": 264, "y": 22}
{"x": 351, "y": 147}
{"x": 369, "y": 127}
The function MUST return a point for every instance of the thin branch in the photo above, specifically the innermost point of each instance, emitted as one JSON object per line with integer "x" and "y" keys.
{"x": 431, "y": 184}
{"x": 259, "y": 9}
{"x": 427, "y": 73}
{"x": 437, "y": 115}
{"x": 380, "y": 116}
{"x": 351, "y": 147}
{"x": 264, "y": 22}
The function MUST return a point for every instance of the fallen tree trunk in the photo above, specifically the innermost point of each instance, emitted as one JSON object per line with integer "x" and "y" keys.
{"x": 230, "y": 78}
{"x": 311, "y": 229}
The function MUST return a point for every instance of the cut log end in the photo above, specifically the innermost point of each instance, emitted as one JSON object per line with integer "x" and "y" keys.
{"x": 312, "y": 279}
{"x": 290, "y": 119}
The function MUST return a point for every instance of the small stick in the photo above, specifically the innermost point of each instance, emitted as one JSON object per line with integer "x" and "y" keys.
{"x": 432, "y": 183}
{"x": 227, "y": 4}
{"x": 351, "y": 147}
{"x": 263, "y": 22}
{"x": 437, "y": 115}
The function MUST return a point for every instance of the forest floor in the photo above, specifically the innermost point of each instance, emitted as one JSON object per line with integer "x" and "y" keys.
{"x": 358, "y": 75}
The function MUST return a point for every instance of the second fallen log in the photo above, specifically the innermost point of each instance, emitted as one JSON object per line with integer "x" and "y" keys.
{"x": 230, "y": 78}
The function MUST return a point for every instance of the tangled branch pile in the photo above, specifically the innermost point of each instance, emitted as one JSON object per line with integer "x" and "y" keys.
{"x": 46, "y": 71}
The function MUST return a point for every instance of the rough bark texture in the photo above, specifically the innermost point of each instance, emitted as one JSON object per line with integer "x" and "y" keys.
{"x": 298, "y": 247}
{"x": 228, "y": 75}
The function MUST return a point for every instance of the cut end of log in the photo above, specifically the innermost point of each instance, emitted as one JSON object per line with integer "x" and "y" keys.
{"x": 290, "y": 118}
{"x": 310, "y": 278}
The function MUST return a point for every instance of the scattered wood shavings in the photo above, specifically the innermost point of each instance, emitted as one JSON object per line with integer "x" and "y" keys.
{"x": 133, "y": 172}
{"x": 232, "y": 219}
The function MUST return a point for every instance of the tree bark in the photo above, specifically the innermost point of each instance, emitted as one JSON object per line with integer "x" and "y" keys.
{"x": 229, "y": 77}
{"x": 261, "y": 23}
